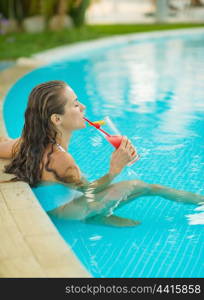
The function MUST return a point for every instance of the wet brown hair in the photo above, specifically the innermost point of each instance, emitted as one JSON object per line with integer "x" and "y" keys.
{"x": 38, "y": 132}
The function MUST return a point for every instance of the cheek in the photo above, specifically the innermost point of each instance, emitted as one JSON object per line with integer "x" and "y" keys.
{"x": 71, "y": 119}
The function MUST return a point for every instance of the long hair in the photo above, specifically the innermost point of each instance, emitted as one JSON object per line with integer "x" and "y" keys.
{"x": 38, "y": 132}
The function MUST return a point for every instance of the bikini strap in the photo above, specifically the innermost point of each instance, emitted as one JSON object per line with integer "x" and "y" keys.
{"x": 60, "y": 148}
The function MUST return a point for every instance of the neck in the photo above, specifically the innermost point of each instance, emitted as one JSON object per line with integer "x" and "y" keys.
{"x": 64, "y": 140}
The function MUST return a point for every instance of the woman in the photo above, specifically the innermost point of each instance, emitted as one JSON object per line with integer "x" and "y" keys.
{"x": 39, "y": 155}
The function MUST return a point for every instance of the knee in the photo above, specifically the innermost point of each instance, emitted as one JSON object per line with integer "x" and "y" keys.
{"x": 155, "y": 188}
{"x": 141, "y": 186}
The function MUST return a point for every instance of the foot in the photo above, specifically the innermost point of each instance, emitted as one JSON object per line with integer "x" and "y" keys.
{"x": 199, "y": 200}
{"x": 192, "y": 198}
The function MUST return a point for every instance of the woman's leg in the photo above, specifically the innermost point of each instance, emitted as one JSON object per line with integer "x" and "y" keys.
{"x": 102, "y": 203}
{"x": 125, "y": 191}
{"x": 176, "y": 195}
{"x": 117, "y": 195}
{"x": 131, "y": 189}
{"x": 111, "y": 220}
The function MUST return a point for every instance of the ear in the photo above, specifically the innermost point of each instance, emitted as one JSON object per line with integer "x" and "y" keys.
{"x": 56, "y": 119}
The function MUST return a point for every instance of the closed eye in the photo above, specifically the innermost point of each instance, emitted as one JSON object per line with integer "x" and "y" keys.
{"x": 76, "y": 102}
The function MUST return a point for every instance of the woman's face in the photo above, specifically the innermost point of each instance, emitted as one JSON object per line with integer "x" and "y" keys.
{"x": 73, "y": 116}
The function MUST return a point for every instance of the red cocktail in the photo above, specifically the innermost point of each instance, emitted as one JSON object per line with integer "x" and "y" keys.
{"x": 114, "y": 140}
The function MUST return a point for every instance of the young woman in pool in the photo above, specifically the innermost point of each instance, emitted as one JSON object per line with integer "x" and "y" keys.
{"x": 39, "y": 155}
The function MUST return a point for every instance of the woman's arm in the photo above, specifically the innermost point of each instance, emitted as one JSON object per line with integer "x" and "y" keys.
{"x": 120, "y": 158}
{"x": 66, "y": 166}
{"x": 6, "y": 145}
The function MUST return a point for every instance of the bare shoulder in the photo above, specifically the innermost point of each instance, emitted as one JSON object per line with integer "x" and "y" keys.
{"x": 65, "y": 165}
{"x": 63, "y": 160}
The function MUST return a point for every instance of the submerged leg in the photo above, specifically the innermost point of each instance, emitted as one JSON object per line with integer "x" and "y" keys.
{"x": 121, "y": 193}
{"x": 135, "y": 188}
{"x": 176, "y": 195}
{"x": 101, "y": 203}
{"x": 111, "y": 220}
{"x": 116, "y": 195}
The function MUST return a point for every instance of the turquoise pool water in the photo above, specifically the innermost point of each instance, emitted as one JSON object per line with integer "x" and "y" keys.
{"x": 154, "y": 93}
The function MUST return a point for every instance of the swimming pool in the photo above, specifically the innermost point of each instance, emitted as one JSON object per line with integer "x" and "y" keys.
{"x": 153, "y": 91}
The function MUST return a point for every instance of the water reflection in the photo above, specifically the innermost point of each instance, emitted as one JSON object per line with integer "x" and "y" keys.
{"x": 196, "y": 218}
{"x": 151, "y": 78}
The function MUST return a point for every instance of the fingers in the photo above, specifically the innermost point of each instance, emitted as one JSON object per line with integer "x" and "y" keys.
{"x": 135, "y": 157}
{"x": 131, "y": 149}
{"x": 127, "y": 146}
{"x": 125, "y": 143}
{"x": 126, "y": 151}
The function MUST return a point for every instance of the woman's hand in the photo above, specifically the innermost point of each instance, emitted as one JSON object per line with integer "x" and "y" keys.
{"x": 4, "y": 139}
{"x": 122, "y": 156}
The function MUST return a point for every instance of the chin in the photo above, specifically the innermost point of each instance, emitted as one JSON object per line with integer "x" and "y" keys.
{"x": 80, "y": 127}
{"x": 83, "y": 125}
